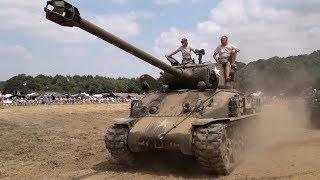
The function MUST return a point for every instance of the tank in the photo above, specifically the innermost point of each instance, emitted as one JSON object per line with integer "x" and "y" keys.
{"x": 312, "y": 98}
{"x": 193, "y": 112}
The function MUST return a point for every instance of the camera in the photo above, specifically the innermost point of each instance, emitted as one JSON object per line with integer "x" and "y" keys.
{"x": 200, "y": 53}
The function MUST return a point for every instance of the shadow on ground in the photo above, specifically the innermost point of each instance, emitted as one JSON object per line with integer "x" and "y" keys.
{"x": 154, "y": 163}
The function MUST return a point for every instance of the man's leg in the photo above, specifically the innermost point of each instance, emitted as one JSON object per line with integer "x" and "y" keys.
{"x": 227, "y": 69}
{"x": 173, "y": 61}
{"x": 233, "y": 58}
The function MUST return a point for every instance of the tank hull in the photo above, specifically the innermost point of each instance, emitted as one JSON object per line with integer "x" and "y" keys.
{"x": 214, "y": 130}
{"x": 144, "y": 136}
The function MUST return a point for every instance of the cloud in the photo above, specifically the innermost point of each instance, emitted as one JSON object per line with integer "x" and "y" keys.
{"x": 123, "y": 24}
{"x": 170, "y": 40}
{"x": 260, "y": 28}
{"x": 21, "y": 3}
{"x": 168, "y": 2}
{"x": 298, "y": 6}
{"x": 14, "y": 51}
{"x": 208, "y": 27}
{"x": 165, "y": 2}
{"x": 29, "y": 19}
{"x": 229, "y": 12}
{"x": 195, "y": 1}
{"x": 119, "y": 1}
{"x": 67, "y": 51}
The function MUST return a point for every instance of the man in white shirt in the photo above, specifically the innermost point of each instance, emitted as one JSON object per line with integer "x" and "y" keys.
{"x": 227, "y": 56}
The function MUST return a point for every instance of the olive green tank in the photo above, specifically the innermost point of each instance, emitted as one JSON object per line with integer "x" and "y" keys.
{"x": 194, "y": 112}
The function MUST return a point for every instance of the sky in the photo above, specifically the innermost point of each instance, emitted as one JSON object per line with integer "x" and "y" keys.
{"x": 262, "y": 29}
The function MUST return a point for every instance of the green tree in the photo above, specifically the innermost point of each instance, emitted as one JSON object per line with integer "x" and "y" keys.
{"x": 20, "y": 83}
{"x": 2, "y": 86}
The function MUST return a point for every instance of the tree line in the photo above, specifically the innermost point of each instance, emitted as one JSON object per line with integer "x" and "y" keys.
{"x": 289, "y": 75}
{"x": 69, "y": 84}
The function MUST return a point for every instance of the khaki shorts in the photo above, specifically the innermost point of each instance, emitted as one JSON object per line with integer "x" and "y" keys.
{"x": 223, "y": 61}
{"x": 187, "y": 61}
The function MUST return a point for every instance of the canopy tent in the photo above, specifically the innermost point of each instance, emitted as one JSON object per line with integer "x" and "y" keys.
{"x": 32, "y": 95}
{"x": 98, "y": 96}
{"x": 8, "y": 96}
{"x": 128, "y": 95}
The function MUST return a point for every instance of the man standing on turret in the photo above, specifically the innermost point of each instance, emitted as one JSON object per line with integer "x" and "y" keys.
{"x": 227, "y": 56}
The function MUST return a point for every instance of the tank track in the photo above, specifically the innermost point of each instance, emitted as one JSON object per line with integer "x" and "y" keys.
{"x": 216, "y": 150}
{"x": 116, "y": 141}
{"x": 314, "y": 118}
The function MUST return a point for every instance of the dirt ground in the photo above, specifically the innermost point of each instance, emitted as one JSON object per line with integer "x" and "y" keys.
{"x": 66, "y": 142}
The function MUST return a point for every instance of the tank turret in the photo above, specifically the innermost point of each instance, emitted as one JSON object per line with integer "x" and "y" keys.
{"x": 178, "y": 77}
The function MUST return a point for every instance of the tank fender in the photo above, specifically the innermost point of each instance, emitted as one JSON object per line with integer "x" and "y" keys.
{"x": 203, "y": 122}
{"x": 126, "y": 121}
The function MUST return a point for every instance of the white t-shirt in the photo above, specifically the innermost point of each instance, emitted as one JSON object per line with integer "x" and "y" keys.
{"x": 225, "y": 51}
{"x": 186, "y": 52}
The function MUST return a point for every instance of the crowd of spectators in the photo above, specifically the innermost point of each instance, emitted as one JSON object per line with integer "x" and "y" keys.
{"x": 83, "y": 98}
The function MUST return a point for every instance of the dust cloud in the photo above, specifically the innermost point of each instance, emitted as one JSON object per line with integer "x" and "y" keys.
{"x": 281, "y": 121}
{"x": 280, "y": 124}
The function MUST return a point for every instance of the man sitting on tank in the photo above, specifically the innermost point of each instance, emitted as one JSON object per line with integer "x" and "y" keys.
{"x": 227, "y": 56}
{"x": 185, "y": 50}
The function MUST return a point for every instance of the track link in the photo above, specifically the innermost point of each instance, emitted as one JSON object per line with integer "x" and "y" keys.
{"x": 213, "y": 149}
{"x": 116, "y": 140}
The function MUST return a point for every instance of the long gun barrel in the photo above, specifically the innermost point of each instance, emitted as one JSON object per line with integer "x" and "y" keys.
{"x": 65, "y": 14}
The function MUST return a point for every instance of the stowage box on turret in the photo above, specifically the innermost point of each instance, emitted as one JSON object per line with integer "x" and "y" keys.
{"x": 194, "y": 112}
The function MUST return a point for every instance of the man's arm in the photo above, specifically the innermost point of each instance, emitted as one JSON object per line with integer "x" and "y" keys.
{"x": 193, "y": 50}
{"x": 215, "y": 57}
{"x": 235, "y": 48}
{"x": 216, "y": 52}
{"x": 175, "y": 52}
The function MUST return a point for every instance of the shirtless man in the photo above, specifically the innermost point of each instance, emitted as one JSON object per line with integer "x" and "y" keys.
{"x": 185, "y": 50}
{"x": 227, "y": 56}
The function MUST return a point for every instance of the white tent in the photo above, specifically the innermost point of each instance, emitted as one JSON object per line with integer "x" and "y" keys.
{"x": 98, "y": 96}
{"x": 32, "y": 94}
{"x": 85, "y": 94}
{"x": 7, "y": 101}
{"x": 8, "y": 95}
